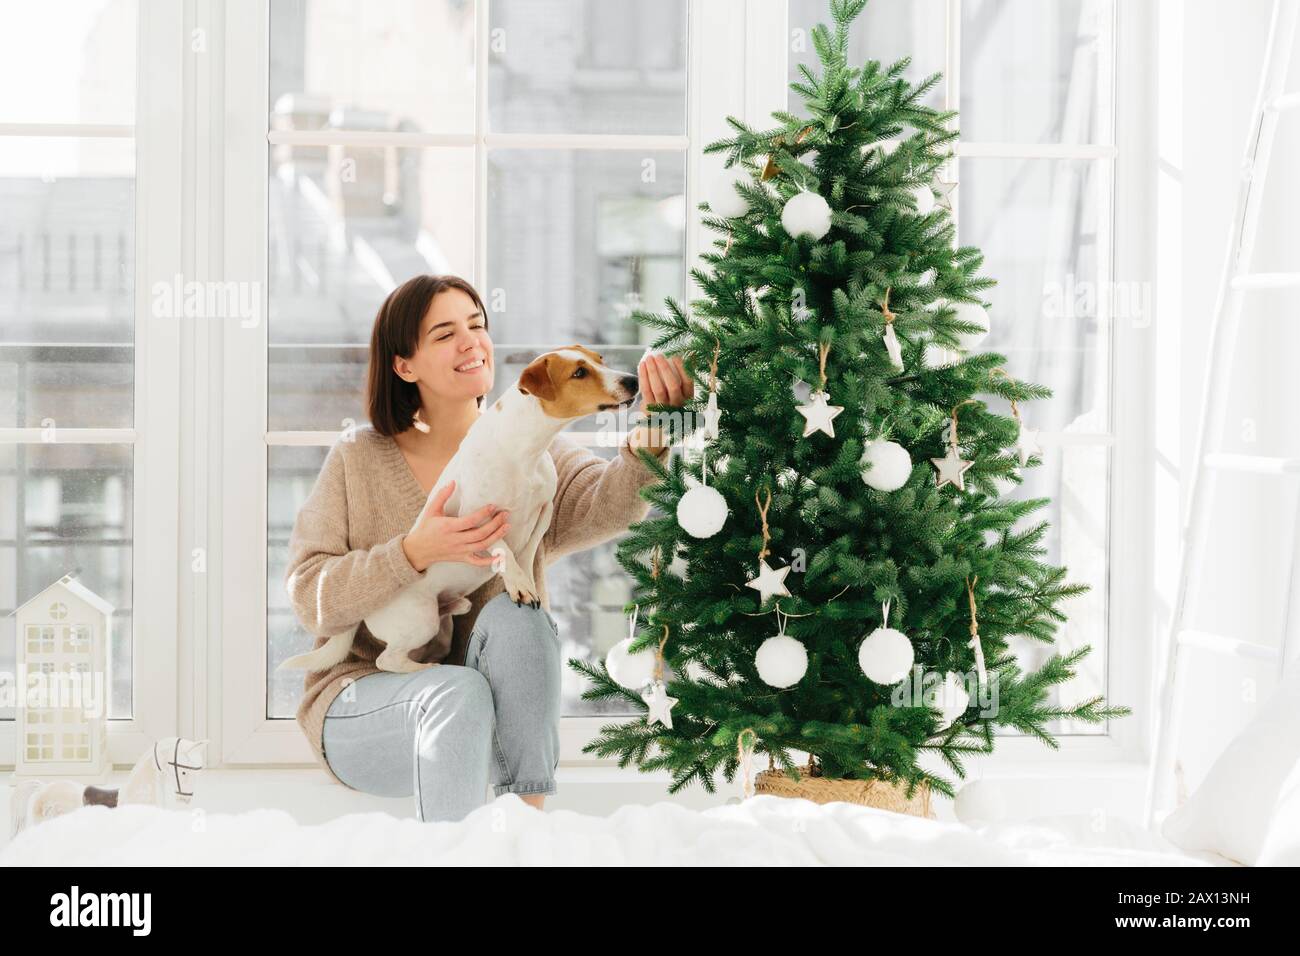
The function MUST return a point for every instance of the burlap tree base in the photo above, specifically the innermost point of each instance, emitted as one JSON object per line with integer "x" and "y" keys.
{"x": 868, "y": 793}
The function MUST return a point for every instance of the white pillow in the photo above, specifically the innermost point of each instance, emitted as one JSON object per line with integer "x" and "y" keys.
{"x": 1246, "y": 791}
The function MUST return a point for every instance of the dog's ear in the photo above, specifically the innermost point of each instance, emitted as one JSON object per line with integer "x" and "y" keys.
{"x": 536, "y": 379}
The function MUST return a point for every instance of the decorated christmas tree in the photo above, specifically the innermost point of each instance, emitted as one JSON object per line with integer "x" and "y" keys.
{"x": 837, "y": 568}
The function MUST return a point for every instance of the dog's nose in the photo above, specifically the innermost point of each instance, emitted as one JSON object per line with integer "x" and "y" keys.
{"x": 630, "y": 383}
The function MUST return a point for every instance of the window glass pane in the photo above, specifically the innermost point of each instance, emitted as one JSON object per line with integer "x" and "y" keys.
{"x": 1036, "y": 223}
{"x": 347, "y": 225}
{"x": 291, "y": 473}
{"x": 579, "y": 239}
{"x": 587, "y": 591}
{"x": 1030, "y": 71}
{"x": 600, "y": 66}
{"x": 67, "y": 282}
{"x": 887, "y": 30}
{"x": 68, "y": 62}
{"x": 1077, "y": 479}
{"x": 391, "y": 65}
{"x": 65, "y": 509}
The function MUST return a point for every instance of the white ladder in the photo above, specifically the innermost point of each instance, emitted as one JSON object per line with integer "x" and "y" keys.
{"x": 1235, "y": 283}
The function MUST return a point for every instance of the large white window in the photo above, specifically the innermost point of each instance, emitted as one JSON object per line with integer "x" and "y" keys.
{"x": 552, "y": 176}
{"x": 550, "y": 151}
{"x": 88, "y": 170}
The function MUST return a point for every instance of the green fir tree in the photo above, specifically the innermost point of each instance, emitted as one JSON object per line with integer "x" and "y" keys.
{"x": 774, "y": 304}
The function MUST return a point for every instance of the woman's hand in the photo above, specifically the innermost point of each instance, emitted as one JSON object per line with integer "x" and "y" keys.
{"x": 436, "y": 536}
{"x": 664, "y": 381}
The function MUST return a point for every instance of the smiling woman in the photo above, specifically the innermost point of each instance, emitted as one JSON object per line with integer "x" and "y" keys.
{"x": 368, "y": 529}
{"x": 421, "y": 335}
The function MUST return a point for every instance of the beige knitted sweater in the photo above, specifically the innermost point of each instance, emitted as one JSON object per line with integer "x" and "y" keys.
{"x": 346, "y": 558}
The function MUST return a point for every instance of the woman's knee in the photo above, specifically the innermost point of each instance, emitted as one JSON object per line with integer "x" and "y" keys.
{"x": 460, "y": 692}
{"x": 518, "y": 629}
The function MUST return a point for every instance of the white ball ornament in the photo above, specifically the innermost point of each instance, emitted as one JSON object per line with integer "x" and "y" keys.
{"x": 979, "y": 802}
{"x": 781, "y": 661}
{"x": 630, "y": 670}
{"x": 951, "y": 697}
{"x": 924, "y": 197}
{"x": 977, "y": 314}
{"x": 886, "y": 655}
{"x": 806, "y": 214}
{"x": 889, "y": 465}
{"x": 702, "y": 511}
{"x": 723, "y": 197}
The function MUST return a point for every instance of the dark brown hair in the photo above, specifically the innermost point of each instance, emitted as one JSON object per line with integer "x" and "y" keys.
{"x": 392, "y": 401}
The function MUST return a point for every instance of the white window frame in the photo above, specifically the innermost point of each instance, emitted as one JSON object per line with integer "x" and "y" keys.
{"x": 155, "y": 576}
{"x": 736, "y": 66}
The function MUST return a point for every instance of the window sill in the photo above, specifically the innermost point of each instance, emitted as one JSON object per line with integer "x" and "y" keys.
{"x": 1109, "y": 790}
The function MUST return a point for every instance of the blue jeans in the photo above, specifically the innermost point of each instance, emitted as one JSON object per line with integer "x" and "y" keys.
{"x": 444, "y": 733}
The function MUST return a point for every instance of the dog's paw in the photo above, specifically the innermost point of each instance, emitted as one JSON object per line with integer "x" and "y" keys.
{"x": 523, "y": 594}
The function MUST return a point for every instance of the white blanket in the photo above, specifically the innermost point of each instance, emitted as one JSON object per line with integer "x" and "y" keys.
{"x": 763, "y": 830}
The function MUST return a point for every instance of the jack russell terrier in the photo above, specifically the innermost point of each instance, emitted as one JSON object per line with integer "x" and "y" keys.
{"x": 502, "y": 460}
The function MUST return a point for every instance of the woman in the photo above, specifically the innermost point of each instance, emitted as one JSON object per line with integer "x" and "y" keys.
{"x": 490, "y": 712}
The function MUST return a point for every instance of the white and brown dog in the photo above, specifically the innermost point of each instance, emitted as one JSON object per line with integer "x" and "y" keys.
{"x": 502, "y": 460}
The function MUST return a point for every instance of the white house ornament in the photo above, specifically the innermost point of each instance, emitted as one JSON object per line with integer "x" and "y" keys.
{"x": 886, "y": 465}
{"x": 886, "y": 654}
{"x": 806, "y": 214}
{"x": 769, "y": 582}
{"x": 63, "y": 633}
{"x": 659, "y": 703}
{"x": 818, "y": 414}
